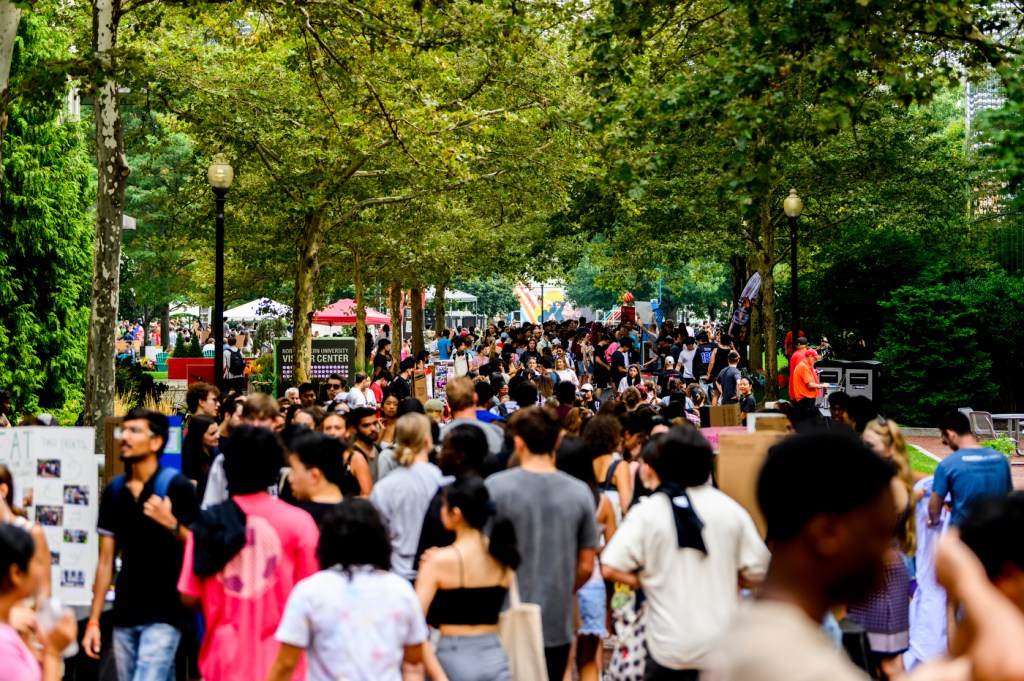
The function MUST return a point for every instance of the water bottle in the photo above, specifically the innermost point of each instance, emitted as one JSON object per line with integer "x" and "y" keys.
{"x": 48, "y": 614}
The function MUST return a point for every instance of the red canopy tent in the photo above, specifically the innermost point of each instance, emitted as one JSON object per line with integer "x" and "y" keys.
{"x": 343, "y": 312}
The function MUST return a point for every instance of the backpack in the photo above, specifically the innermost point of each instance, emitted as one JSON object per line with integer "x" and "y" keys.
{"x": 237, "y": 363}
{"x": 163, "y": 482}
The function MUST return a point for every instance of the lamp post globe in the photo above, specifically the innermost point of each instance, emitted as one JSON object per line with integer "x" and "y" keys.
{"x": 220, "y": 175}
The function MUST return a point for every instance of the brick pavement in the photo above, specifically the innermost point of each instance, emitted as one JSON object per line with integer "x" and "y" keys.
{"x": 933, "y": 445}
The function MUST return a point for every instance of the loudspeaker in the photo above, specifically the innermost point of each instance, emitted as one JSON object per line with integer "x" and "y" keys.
{"x": 855, "y": 378}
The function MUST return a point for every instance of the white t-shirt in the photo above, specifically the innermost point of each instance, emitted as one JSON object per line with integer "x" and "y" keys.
{"x": 686, "y": 362}
{"x": 775, "y": 641}
{"x": 691, "y": 597}
{"x": 361, "y": 398}
{"x": 353, "y": 627}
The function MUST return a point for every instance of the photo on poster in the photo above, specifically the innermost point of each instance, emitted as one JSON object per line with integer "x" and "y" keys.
{"x": 76, "y": 495}
{"x": 76, "y": 536}
{"x": 54, "y": 557}
{"x": 51, "y": 516}
{"x": 74, "y": 578}
{"x": 48, "y": 468}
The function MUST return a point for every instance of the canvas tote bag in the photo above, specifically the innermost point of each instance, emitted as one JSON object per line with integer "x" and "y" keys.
{"x": 521, "y": 635}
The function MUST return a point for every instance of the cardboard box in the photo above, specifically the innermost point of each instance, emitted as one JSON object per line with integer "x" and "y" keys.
{"x": 419, "y": 385}
{"x": 724, "y": 417}
{"x": 761, "y": 422}
{"x": 739, "y": 462}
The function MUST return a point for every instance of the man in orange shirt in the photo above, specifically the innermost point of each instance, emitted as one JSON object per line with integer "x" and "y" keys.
{"x": 805, "y": 386}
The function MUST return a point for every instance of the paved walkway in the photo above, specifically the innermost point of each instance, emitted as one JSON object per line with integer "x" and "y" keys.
{"x": 934, "y": 446}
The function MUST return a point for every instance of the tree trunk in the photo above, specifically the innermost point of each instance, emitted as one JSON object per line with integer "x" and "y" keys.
{"x": 306, "y": 274}
{"x": 165, "y": 326}
{"x": 439, "y": 323}
{"x": 766, "y": 266}
{"x": 10, "y": 16}
{"x": 112, "y": 178}
{"x": 395, "y": 303}
{"x": 416, "y": 302}
{"x": 357, "y": 282}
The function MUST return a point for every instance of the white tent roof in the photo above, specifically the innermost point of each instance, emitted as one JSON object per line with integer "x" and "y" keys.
{"x": 453, "y": 296}
{"x": 261, "y": 308}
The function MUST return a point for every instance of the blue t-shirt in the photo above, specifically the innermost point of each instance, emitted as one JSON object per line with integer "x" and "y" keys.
{"x": 444, "y": 348}
{"x": 969, "y": 475}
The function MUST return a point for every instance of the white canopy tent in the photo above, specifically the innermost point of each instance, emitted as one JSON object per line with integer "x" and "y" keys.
{"x": 453, "y": 296}
{"x": 259, "y": 309}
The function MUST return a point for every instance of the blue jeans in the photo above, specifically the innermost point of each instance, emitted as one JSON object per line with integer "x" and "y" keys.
{"x": 146, "y": 652}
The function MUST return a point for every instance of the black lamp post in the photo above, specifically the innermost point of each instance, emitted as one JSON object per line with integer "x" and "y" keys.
{"x": 220, "y": 175}
{"x": 793, "y": 206}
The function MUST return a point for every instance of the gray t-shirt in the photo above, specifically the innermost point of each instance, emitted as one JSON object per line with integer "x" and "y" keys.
{"x": 494, "y": 434}
{"x": 554, "y": 517}
{"x": 729, "y": 378}
{"x": 402, "y": 499}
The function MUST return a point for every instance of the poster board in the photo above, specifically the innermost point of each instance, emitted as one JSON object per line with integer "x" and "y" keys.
{"x": 419, "y": 385}
{"x": 55, "y": 468}
{"x": 726, "y": 416}
{"x": 330, "y": 356}
{"x": 739, "y": 462}
{"x": 761, "y": 422}
{"x": 444, "y": 371}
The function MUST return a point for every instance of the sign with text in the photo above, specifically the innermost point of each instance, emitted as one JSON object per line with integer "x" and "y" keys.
{"x": 57, "y": 481}
{"x": 330, "y": 356}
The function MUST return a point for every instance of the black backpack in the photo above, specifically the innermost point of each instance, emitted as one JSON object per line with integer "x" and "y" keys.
{"x": 237, "y": 364}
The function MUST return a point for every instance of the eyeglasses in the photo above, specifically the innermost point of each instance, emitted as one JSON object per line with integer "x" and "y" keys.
{"x": 119, "y": 431}
{"x": 334, "y": 386}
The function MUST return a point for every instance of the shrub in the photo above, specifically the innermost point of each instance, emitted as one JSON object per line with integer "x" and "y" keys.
{"x": 931, "y": 356}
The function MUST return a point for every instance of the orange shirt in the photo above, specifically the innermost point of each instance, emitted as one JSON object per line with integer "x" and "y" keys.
{"x": 799, "y": 388}
{"x": 794, "y": 361}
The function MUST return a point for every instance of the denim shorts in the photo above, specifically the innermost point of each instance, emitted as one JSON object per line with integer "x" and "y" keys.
{"x": 593, "y": 606}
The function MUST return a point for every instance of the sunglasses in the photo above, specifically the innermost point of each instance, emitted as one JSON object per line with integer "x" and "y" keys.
{"x": 334, "y": 386}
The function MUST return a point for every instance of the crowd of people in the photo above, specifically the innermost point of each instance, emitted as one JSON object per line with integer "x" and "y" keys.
{"x": 376, "y": 537}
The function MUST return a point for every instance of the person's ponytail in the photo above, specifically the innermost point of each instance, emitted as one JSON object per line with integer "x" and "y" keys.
{"x": 503, "y": 544}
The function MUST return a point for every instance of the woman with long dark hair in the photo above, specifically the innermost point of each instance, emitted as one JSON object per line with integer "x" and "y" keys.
{"x": 201, "y": 440}
{"x": 574, "y": 458}
{"x": 462, "y": 587}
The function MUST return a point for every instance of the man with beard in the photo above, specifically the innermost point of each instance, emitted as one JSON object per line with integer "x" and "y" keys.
{"x": 363, "y": 427}
{"x": 144, "y": 515}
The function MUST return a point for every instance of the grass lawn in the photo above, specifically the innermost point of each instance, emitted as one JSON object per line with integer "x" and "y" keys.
{"x": 159, "y": 375}
{"x": 921, "y": 462}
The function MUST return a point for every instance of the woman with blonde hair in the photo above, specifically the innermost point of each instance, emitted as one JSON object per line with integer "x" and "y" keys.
{"x": 405, "y": 494}
{"x": 885, "y": 615}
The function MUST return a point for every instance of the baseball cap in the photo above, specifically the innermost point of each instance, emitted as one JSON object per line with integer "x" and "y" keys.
{"x": 504, "y": 335}
{"x": 585, "y": 387}
{"x": 811, "y": 353}
{"x": 669, "y": 360}
{"x": 801, "y": 341}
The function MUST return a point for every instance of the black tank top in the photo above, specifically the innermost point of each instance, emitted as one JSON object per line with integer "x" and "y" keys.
{"x": 466, "y": 606}
{"x": 721, "y": 361}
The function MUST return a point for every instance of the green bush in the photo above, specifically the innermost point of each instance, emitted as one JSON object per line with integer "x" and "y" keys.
{"x": 1003, "y": 444}
{"x": 929, "y": 348}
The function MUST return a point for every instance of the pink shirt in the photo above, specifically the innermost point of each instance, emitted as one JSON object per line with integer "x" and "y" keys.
{"x": 244, "y": 602}
{"x": 19, "y": 665}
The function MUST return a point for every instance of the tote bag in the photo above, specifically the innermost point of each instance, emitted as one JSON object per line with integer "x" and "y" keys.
{"x": 521, "y": 635}
{"x": 630, "y": 655}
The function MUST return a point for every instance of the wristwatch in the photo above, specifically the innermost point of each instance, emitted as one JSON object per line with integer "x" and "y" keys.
{"x": 177, "y": 526}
